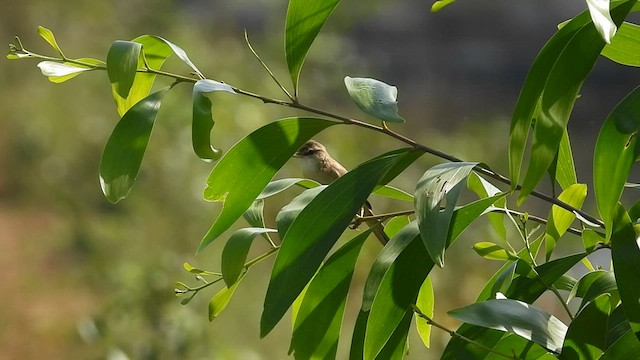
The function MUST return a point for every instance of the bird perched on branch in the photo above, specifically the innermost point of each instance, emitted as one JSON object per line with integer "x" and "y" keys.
{"x": 318, "y": 165}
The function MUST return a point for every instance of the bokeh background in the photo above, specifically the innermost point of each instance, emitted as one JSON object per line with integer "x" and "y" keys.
{"x": 84, "y": 279}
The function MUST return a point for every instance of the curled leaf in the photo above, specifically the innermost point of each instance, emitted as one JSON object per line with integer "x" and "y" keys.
{"x": 374, "y": 98}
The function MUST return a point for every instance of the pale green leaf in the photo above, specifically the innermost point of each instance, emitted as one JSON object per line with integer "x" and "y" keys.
{"x": 374, "y": 98}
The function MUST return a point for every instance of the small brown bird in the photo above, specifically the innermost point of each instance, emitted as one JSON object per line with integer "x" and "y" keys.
{"x": 318, "y": 165}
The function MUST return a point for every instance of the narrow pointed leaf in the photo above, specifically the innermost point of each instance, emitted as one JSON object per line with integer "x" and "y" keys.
{"x": 385, "y": 259}
{"x": 516, "y": 317}
{"x": 315, "y": 230}
{"x": 440, "y": 4}
{"x": 587, "y": 334}
{"x": 125, "y": 148}
{"x": 485, "y": 189}
{"x": 397, "y": 291}
{"x": 374, "y": 98}
{"x": 239, "y": 177}
{"x": 492, "y": 251}
{"x": 122, "y": 65}
{"x": 356, "y": 351}
{"x": 290, "y": 212}
{"x": 550, "y": 91}
{"x": 439, "y": 186}
{"x": 181, "y": 54}
{"x": 599, "y": 10}
{"x": 203, "y": 118}
{"x": 615, "y": 152}
{"x": 564, "y": 169}
{"x": 626, "y": 347}
{"x": 47, "y": 35}
{"x": 317, "y": 325}
{"x": 155, "y": 51}
{"x": 59, "y": 72}
{"x": 304, "y": 21}
{"x": 220, "y": 301}
{"x": 425, "y": 302}
{"x": 277, "y": 186}
{"x": 234, "y": 254}
{"x": 625, "y": 46}
{"x": 626, "y": 266}
{"x": 403, "y": 276}
{"x": 396, "y": 346}
{"x": 560, "y": 219}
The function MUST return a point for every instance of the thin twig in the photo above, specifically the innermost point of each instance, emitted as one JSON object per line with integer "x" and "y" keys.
{"x": 246, "y": 39}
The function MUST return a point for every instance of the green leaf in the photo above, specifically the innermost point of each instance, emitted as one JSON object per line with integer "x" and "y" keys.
{"x": 626, "y": 347}
{"x": 155, "y": 52}
{"x": 563, "y": 169}
{"x": 523, "y": 288}
{"x": 47, "y": 35}
{"x": 403, "y": 272}
{"x": 594, "y": 284}
{"x": 315, "y": 230}
{"x": 396, "y": 224}
{"x": 393, "y": 193}
{"x": 220, "y": 301}
{"x": 234, "y": 254}
{"x": 440, "y": 4}
{"x": 599, "y": 10}
{"x": 385, "y": 259}
{"x": 425, "y": 302}
{"x": 492, "y": 251}
{"x": 625, "y": 46}
{"x": 397, "y": 291}
{"x": 356, "y": 351}
{"x": 60, "y": 72}
{"x": 396, "y": 346}
{"x": 587, "y": 334}
{"x": 277, "y": 186}
{"x": 439, "y": 186}
{"x": 516, "y": 317}
{"x": 317, "y": 326}
{"x": 125, "y": 148}
{"x": 239, "y": 177}
{"x": 549, "y": 93}
{"x": 615, "y": 152}
{"x": 290, "y": 212}
{"x": 374, "y": 98}
{"x": 203, "y": 118}
{"x": 485, "y": 189}
{"x": 626, "y": 266}
{"x": 560, "y": 219}
{"x": 181, "y": 54}
{"x": 590, "y": 239}
{"x": 122, "y": 65}
{"x": 304, "y": 21}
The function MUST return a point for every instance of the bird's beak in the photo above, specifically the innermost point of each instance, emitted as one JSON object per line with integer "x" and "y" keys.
{"x": 297, "y": 154}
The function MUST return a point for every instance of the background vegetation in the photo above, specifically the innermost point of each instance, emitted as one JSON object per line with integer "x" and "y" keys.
{"x": 86, "y": 279}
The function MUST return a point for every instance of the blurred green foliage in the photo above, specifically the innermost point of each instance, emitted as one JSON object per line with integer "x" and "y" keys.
{"x": 86, "y": 279}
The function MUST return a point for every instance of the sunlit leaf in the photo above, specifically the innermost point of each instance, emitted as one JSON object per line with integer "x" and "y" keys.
{"x": 599, "y": 10}
{"x": 241, "y": 174}
{"x": 220, "y": 301}
{"x": 374, "y": 98}
{"x": 515, "y": 317}
{"x": 440, "y": 4}
{"x": 47, "y": 35}
{"x": 317, "y": 325}
{"x": 235, "y": 252}
{"x": 315, "y": 230}
{"x": 625, "y": 347}
{"x": 155, "y": 52}
{"x": 425, "y": 302}
{"x": 203, "y": 118}
{"x": 614, "y": 155}
{"x": 560, "y": 219}
{"x": 492, "y": 251}
{"x": 59, "y": 72}
{"x": 125, "y": 148}
{"x": 625, "y": 46}
{"x": 587, "y": 333}
{"x": 122, "y": 65}
{"x": 304, "y": 21}
{"x": 439, "y": 186}
{"x": 626, "y": 266}
{"x": 550, "y": 91}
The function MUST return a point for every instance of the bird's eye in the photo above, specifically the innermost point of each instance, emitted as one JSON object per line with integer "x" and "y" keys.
{"x": 310, "y": 152}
